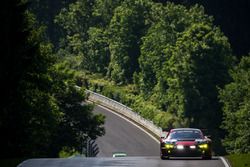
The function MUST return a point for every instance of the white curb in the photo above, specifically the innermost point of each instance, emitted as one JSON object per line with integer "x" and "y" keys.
{"x": 224, "y": 162}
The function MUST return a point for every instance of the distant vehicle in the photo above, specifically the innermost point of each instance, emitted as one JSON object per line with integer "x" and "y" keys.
{"x": 119, "y": 154}
{"x": 185, "y": 142}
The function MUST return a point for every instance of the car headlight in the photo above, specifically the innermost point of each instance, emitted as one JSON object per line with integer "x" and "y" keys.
{"x": 169, "y": 145}
{"x": 204, "y": 146}
{"x": 180, "y": 147}
{"x": 192, "y": 147}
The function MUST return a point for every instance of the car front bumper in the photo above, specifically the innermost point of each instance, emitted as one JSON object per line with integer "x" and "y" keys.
{"x": 185, "y": 152}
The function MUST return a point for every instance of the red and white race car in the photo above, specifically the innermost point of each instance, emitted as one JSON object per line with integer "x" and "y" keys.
{"x": 185, "y": 142}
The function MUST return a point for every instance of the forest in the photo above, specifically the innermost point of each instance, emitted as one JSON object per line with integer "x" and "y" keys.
{"x": 179, "y": 63}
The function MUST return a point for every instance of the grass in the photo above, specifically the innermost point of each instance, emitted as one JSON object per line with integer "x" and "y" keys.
{"x": 10, "y": 162}
{"x": 239, "y": 160}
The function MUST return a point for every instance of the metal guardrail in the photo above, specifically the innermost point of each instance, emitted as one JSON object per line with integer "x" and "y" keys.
{"x": 124, "y": 110}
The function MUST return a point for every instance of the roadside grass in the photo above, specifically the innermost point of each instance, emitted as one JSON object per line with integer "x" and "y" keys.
{"x": 10, "y": 162}
{"x": 239, "y": 160}
{"x": 68, "y": 152}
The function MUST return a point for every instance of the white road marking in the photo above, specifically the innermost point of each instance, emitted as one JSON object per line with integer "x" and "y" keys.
{"x": 130, "y": 122}
{"x": 224, "y": 162}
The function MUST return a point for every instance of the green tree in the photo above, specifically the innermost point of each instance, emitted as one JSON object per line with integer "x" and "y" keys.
{"x": 188, "y": 58}
{"x": 166, "y": 25}
{"x": 197, "y": 66}
{"x": 126, "y": 28}
{"x": 230, "y": 17}
{"x": 28, "y": 111}
{"x": 97, "y": 56}
{"x": 76, "y": 18}
{"x": 46, "y": 11}
{"x": 77, "y": 122}
{"x": 40, "y": 103}
{"x": 84, "y": 39}
{"x": 75, "y": 21}
{"x": 235, "y": 98}
{"x": 104, "y": 11}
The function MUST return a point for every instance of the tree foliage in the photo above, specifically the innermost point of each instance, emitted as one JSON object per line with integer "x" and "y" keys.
{"x": 231, "y": 17}
{"x": 125, "y": 29}
{"x": 104, "y": 10}
{"x": 27, "y": 103}
{"x": 75, "y": 21}
{"x": 46, "y": 11}
{"x": 77, "y": 123}
{"x": 40, "y": 104}
{"x": 167, "y": 24}
{"x": 235, "y": 98}
{"x": 83, "y": 38}
{"x": 98, "y": 55}
{"x": 184, "y": 58}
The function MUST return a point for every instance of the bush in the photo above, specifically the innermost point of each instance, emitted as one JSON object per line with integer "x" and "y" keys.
{"x": 239, "y": 160}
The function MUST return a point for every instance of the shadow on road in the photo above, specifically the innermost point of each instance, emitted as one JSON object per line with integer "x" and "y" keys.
{"x": 190, "y": 158}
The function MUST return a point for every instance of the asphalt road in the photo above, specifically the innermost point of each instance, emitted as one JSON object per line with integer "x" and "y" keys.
{"x": 121, "y": 162}
{"x": 122, "y": 136}
{"x": 142, "y": 150}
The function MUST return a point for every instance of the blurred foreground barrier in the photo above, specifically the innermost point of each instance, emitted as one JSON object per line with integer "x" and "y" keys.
{"x": 125, "y": 111}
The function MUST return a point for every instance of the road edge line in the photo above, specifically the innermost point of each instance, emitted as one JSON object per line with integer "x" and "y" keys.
{"x": 224, "y": 161}
{"x": 22, "y": 163}
{"x": 123, "y": 117}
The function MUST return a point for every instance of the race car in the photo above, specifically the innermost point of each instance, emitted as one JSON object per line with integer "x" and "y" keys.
{"x": 185, "y": 142}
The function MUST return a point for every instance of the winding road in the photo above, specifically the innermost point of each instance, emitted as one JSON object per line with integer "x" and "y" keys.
{"x": 123, "y": 136}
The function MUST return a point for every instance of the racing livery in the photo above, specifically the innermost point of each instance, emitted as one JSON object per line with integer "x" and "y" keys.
{"x": 185, "y": 142}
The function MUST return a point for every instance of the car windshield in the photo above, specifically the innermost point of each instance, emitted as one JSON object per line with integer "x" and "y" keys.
{"x": 185, "y": 134}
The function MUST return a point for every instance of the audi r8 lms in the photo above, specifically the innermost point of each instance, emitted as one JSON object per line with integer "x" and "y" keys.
{"x": 185, "y": 142}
